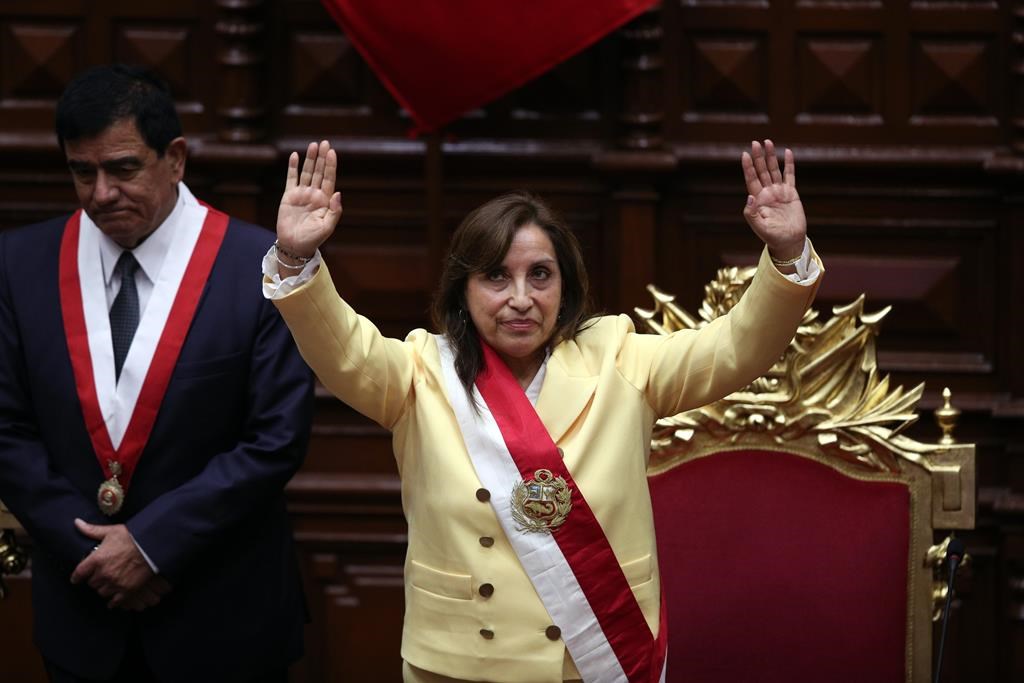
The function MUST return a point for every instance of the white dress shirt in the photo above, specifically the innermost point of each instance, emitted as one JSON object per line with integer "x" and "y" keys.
{"x": 150, "y": 255}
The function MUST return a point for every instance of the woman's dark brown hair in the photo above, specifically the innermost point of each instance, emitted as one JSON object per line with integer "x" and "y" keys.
{"x": 479, "y": 245}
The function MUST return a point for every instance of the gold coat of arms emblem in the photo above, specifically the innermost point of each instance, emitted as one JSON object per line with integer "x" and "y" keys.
{"x": 541, "y": 504}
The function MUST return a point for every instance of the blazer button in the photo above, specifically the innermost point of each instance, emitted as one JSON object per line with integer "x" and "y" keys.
{"x": 487, "y": 633}
{"x": 483, "y": 495}
{"x": 486, "y": 541}
{"x": 553, "y": 632}
{"x": 486, "y": 590}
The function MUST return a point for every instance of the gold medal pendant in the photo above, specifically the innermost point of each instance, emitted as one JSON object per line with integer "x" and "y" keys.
{"x": 541, "y": 504}
{"x": 110, "y": 496}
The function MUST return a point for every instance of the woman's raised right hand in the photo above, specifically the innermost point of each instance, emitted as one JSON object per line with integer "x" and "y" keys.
{"x": 310, "y": 208}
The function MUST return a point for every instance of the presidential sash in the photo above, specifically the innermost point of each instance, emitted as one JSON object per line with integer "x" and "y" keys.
{"x": 119, "y": 415}
{"x": 552, "y": 529}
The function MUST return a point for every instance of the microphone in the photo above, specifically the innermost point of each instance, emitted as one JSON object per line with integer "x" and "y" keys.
{"x": 954, "y": 555}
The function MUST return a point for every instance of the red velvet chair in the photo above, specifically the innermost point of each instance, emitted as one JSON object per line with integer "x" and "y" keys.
{"x": 795, "y": 521}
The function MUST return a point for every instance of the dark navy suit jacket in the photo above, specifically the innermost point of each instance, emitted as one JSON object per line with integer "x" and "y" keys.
{"x": 206, "y": 501}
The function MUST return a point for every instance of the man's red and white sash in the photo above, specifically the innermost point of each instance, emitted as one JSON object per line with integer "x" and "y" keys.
{"x": 119, "y": 415}
{"x": 573, "y": 568}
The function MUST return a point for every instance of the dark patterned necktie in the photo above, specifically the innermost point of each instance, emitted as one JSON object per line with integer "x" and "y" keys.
{"x": 124, "y": 314}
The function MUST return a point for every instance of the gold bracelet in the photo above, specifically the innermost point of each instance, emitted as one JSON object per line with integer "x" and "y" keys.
{"x": 789, "y": 262}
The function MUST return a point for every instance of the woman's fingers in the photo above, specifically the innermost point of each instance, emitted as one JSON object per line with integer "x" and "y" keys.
{"x": 757, "y": 151}
{"x": 330, "y": 172}
{"x": 318, "y": 167}
{"x": 761, "y": 167}
{"x": 750, "y": 175}
{"x": 773, "y": 162}
{"x": 307, "y": 165}
{"x": 293, "y": 171}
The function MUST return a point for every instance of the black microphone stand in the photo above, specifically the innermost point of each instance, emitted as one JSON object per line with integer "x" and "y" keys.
{"x": 954, "y": 553}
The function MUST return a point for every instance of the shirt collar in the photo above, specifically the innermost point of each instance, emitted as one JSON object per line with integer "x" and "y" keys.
{"x": 533, "y": 391}
{"x": 153, "y": 250}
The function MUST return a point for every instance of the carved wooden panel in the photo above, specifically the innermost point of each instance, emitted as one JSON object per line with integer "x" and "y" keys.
{"x": 325, "y": 83}
{"x": 324, "y": 69}
{"x": 392, "y": 280}
{"x": 1010, "y": 627}
{"x": 727, "y": 79}
{"x": 358, "y": 612}
{"x": 38, "y": 59}
{"x": 29, "y": 194}
{"x": 1015, "y": 59}
{"x": 19, "y": 659}
{"x": 954, "y": 80}
{"x": 840, "y": 79}
{"x": 873, "y": 70}
{"x": 352, "y": 543}
{"x": 44, "y": 44}
{"x": 167, "y": 49}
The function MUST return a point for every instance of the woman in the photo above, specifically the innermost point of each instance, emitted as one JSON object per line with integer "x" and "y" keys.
{"x": 522, "y": 430}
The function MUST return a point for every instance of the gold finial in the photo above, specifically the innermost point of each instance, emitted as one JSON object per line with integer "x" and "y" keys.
{"x": 12, "y": 557}
{"x": 946, "y": 418}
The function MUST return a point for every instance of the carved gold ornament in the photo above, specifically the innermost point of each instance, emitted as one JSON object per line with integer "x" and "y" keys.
{"x": 936, "y": 559}
{"x": 12, "y": 557}
{"x": 826, "y": 386}
{"x": 542, "y": 503}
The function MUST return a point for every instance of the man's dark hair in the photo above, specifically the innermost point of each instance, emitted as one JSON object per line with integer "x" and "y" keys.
{"x": 104, "y": 95}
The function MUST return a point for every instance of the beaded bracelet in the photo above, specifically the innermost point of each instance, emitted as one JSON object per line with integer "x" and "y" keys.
{"x": 780, "y": 263}
{"x": 303, "y": 260}
{"x": 289, "y": 266}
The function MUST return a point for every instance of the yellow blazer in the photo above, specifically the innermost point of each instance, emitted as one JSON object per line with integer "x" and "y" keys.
{"x": 601, "y": 396}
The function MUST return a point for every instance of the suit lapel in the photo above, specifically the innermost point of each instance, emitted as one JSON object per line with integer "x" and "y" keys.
{"x": 568, "y": 388}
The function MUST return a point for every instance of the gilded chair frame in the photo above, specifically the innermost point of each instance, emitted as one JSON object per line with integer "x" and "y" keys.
{"x": 825, "y": 400}
{"x": 7, "y": 520}
{"x": 12, "y": 557}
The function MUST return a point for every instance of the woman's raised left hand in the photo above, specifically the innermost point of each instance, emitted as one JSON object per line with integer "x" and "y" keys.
{"x": 773, "y": 209}
{"x": 310, "y": 207}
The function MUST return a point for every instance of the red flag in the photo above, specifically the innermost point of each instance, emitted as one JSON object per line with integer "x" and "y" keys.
{"x": 440, "y": 58}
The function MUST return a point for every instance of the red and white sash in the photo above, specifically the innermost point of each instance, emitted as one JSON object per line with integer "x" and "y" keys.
{"x": 119, "y": 415}
{"x": 573, "y": 568}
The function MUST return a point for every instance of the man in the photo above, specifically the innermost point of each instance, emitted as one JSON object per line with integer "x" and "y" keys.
{"x": 152, "y": 408}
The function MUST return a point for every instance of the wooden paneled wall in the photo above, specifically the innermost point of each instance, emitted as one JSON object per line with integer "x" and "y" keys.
{"x": 906, "y": 117}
